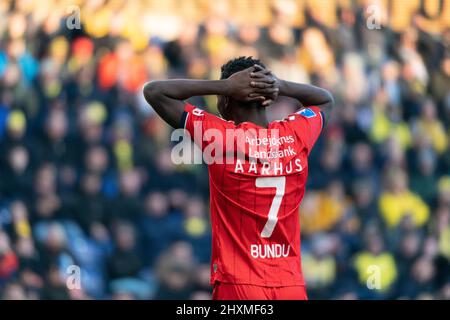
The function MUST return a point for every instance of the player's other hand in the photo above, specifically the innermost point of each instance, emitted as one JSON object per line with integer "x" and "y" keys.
{"x": 253, "y": 84}
{"x": 265, "y": 83}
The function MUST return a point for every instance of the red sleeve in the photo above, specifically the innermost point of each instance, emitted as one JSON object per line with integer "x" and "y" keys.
{"x": 197, "y": 121}
{"x": 307, "y": 124}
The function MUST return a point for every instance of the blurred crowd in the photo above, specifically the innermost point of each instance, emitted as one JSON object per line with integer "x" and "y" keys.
{"x": 86, "y": 177}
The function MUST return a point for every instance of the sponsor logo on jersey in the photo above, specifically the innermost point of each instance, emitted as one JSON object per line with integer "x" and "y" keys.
{"x": 307, "y": 113}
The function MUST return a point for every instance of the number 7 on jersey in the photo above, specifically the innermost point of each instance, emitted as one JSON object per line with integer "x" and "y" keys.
{"x": 279, "y": 184}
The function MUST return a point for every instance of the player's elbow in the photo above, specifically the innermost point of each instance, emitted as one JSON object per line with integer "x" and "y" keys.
{"x": 151, "y": 91}
{"x": 328, "y": 105}
{"x": 328, "y": 102}
{"x": 328, "y": 98}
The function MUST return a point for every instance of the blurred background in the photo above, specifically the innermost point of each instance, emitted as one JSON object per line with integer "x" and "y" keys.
{"x": 86, "y": 177}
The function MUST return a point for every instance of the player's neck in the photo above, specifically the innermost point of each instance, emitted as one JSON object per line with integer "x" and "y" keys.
{"x": 250, "y": 114}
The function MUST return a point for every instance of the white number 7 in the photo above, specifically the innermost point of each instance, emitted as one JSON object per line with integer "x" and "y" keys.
{"x": 278, "y": 183}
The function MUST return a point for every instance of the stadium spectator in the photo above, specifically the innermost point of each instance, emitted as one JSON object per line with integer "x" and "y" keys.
{"x": 398, "y": 203}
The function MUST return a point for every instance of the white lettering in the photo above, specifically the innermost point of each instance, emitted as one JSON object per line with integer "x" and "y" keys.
{"x": 269, "y": 251}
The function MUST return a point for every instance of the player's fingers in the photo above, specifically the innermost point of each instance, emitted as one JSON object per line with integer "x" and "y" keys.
{"x": 261, "y": 74}
{"x": 255, "y": 98}
{"x": 257, "y": 94}
{"x": 267, "y": 102}
{"x": 260, "y": 85}
{"x": 258, "y": 67}
{"x": 265, "y": 92}
{"x": 262, "y": 69}
{"x": 266, "y": 79}
{"x": 258, "y": 74}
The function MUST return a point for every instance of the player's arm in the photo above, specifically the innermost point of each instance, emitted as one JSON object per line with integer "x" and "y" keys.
{"x": 307, "y": 95}
{"x": 167, "y": 96}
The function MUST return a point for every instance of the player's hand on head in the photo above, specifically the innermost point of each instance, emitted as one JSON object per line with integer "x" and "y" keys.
{"x": 239, "y": 86}
{"x": 265, "y": 83}
{"x": 253, "y": 84}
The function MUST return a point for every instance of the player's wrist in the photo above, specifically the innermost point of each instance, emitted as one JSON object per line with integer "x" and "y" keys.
{"x": 226, "y": 86}
{"x": 282, "y": 86}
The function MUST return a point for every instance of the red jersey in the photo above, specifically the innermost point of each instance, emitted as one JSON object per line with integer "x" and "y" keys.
{"x": 257, "y": 180}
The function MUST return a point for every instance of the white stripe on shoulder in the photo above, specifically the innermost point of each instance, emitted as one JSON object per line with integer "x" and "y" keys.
{"x": 185, "y": 120}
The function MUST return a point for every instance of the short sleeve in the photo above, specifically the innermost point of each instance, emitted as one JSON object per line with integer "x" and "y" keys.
{"x": 197, "y": 122}
{"x": 307, "y": 124}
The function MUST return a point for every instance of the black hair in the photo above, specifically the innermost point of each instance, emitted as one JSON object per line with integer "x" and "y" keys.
{"x": 238, "y": 64}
